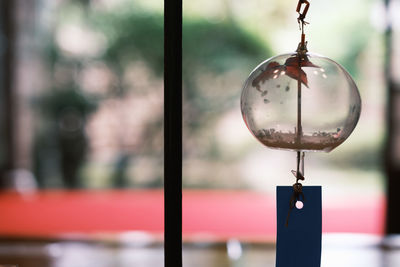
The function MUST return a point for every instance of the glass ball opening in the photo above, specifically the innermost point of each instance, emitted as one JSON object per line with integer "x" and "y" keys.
{"x": 291, "y": 88}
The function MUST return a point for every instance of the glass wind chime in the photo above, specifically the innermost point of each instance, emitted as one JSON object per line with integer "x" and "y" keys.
{"x": 300, "y": 102}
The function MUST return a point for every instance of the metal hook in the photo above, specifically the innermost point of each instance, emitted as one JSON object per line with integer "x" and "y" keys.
{"x": 302, "y": 15}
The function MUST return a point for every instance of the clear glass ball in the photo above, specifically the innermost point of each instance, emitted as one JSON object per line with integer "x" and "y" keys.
{"x": 300, "y": 102}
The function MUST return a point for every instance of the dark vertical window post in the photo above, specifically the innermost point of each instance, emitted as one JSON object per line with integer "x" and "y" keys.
{"x": 391, "y": 154}
{"x": 173, "y": 133}
{"x": 7, "y": 95}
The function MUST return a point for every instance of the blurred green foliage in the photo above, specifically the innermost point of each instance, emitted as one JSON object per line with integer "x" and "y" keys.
{"x": 132, "y": 35}
{"x": 219, "y": 47}
{"x": 60, "y": 145}
{"x": 56, "y": 101}
{"x": 215, "y": 48}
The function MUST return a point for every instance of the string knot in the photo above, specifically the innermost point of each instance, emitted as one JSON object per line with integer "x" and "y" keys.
{"x": 298, "y": 175}
{"x": 296, "y": 196}
{"x": 298, "y": 188}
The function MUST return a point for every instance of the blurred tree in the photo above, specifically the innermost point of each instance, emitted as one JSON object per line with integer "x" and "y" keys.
{"x": 207, "y": 47}
{"x": 133, "y": 35}
{"x": 211, "y": 48}
{"x": 63, "y": 139}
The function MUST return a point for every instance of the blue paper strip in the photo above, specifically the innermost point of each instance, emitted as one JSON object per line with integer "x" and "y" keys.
{"x": 299, "y": 244}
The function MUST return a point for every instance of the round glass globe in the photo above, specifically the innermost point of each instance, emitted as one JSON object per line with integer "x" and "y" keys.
{"x": 310, "y": 91}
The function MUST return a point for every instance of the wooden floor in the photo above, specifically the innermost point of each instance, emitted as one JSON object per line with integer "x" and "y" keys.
{"x": 338, "y": 250}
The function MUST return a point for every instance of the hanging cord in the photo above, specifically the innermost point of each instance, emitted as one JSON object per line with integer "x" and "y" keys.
{"x": 297, "y": 195}
{"x": 301, "y": 56}
{"x": 299, "y": 173}
{"x": 302, "y": 48}
{"x": 297, "y": 187}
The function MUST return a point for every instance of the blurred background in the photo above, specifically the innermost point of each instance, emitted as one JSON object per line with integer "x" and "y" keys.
{"x": 81, "y": 141}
